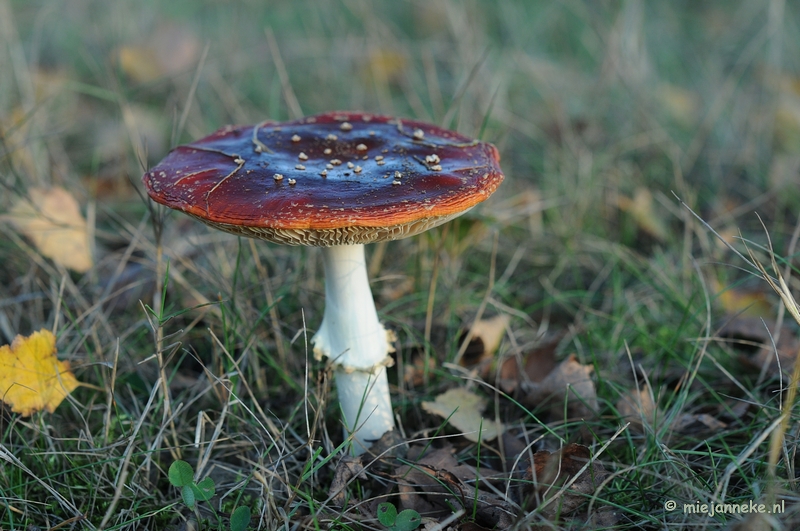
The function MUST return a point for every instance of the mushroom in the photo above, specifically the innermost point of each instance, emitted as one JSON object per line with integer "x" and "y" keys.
{"x": 364, "y": 178}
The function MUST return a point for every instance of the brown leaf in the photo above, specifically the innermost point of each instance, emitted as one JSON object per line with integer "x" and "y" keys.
{"x": 418, "y": 366}
{"x": 436, "y": 483}
{"x": 695, "y": 424}
{"x": 534, "y": 365}
{"x": 638, "y": 408}
{"x": 52, "y": 220}
{"x": 549, "y": 472}
{"x": 347, "y": 469}
{"x": 754, "y": 337}
{"x": 570, "y": 381}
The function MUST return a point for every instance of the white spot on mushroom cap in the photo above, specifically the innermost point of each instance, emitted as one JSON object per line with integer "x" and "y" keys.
{"x": 277, "y": 177}
{"x": 361, "y": 147}
{"x": 295, "y": 138}
{"x": 302, "y": 156}
{"x": 346, "y": 126}
{"x": 292, "y": 181}
{"x": 419, "y": 134}
{"x": 299, "y": 167}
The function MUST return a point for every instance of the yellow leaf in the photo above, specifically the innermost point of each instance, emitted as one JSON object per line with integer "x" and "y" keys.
{"x": 682, "y": 104}
{"x": 386, "y": 66}
{"x": 486, "y": 337}
{"x": 640, "y": 208}
{"x": 463, "y": 410}
{"x": 170, "y": 50}
{"x": 31, "y": 377}
{"x": 53, "y": 221}
{"x": 742, "y": 301}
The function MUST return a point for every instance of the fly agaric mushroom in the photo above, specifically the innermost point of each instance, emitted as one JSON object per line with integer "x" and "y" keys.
{"x": 337, "y": 181}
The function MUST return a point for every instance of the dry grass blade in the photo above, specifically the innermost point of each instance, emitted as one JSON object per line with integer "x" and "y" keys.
{"x": 782, "y": 289}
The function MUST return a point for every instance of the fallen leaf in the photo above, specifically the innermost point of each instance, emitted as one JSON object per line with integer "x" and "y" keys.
{"x": 681, "y": 103}
{"x": 696, "y": 423}
{"x": 641, "y": 209}
{"x": 549, "y": 472}
{"x": 436, "y": 483}
{"x": 485, "y": 338}
{"x": 31, "y": 377}
{"x": 52, "y": 220}
{"x": 754, "y": 337}
{"x": 742, "y": 301}
{"x": 347, "y": 469}
{"x": 168, "y": 51}
{"x": 534, "y": 366}
{"x": 638, "y": 408}
{"x": 385, "y": 66}
{"x": 570, "y": 381}
{"x": 463, "y": 410}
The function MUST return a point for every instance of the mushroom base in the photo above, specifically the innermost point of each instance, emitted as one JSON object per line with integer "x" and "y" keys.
{"x": 366, "y": 406}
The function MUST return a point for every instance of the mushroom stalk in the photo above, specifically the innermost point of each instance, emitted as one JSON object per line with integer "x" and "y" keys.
{"x": 353, "y": 338}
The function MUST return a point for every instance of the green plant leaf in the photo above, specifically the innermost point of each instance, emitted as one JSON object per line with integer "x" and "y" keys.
{"x": 240, "y": 518}
{"x": 204, "y": 490}
{"x": 181, "y": 473}
{"x": 387, "y": 513}
{"x": 407, "y": 520}
{"x": 187, "y": 493}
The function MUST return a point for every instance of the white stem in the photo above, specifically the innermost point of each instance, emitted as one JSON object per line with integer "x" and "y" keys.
{"x": 353, "y": 338}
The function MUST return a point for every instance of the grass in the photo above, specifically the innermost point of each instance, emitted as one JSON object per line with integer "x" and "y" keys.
{"x": 195, "y": 343}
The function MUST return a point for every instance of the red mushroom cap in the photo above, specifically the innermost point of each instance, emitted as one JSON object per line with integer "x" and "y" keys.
{"x": 331, "y": 179}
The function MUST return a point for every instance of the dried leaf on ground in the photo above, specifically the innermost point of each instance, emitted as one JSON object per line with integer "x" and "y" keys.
{"x": 534, "y": 366}
{"x": 463, "y": 410}
{"x": 31, "y": 377}
{"x": 168, "y": 51}
{"x": 742, "y": 301}
{"x": 570, "y": 381}
{"x": 485, "y": 338}
{"x": 418, "y": 366}
{"x": 639, "y": 408}
{"x": 681, "y": 103}
{"x": 347, "y": 469}
{"x": 754, "y": 337}
{"x": 551, "y": 471}
{"x": 385, "y": 65}
{"x": 436, "y": 483}
{"x": 640, "y": 208}
{"x": 52, "y": 220}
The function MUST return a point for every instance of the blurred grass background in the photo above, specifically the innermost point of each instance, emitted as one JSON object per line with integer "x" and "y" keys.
{"x": 605, "y": 113}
